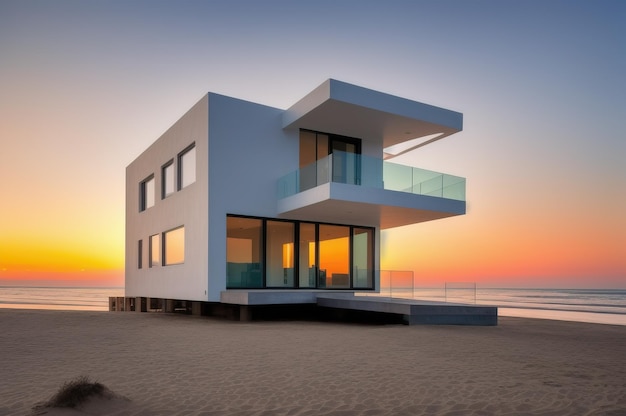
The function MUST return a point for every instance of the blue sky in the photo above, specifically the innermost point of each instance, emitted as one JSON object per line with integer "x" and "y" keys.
{"x": 87, "y": 85}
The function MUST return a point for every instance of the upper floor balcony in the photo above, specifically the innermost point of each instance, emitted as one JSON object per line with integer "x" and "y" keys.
{"x": 357, "y": 189}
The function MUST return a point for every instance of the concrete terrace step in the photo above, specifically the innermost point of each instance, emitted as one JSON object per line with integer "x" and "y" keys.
{"x": 414, "y": 311}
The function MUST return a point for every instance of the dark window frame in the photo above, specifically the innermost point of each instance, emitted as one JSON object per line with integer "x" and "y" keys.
{"x": 179, "y": 170}
{"x": 143, "y": 197}
{"x": 169, "y": 163}
{"x": 296, "y": 284}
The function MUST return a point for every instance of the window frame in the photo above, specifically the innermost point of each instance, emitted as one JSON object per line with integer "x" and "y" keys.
{"x": 297, "y": 258}
{"x": 181, "y": 155}
{"x": 164, "y": 193}
{"x": 151, "y": 248}
{"x": 143, "y": 193}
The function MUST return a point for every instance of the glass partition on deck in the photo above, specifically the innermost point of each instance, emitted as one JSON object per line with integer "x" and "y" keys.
{"x": 356, "y": 169}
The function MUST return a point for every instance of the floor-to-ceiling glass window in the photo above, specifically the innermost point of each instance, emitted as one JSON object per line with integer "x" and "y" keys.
{"x": 272, "y": 253}
{"x": 334, "y": 256}
{"x": 307, "y": 263}
{"x": 362, "y": 258}
{"x": 280, "y": 254}
{"x": 244, "y": 252}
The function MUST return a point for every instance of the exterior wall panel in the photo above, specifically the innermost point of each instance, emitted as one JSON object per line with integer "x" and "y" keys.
{"x": 186, "y": 207}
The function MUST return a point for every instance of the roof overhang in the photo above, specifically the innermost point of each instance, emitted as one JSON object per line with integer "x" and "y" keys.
{"x": 349, "y": 110}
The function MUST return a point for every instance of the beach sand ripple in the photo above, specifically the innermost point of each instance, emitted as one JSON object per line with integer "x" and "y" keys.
{"x": 183, "y": 365}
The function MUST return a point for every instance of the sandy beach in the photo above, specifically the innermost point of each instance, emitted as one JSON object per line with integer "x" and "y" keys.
{"x": 184, "y": 365}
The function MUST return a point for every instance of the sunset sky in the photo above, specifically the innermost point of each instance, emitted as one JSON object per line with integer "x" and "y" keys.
{"x": 85, "y": 86}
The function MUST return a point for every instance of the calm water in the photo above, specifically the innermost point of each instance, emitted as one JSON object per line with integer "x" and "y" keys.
{"x": 605, "y": 306}
{"x": 582, "y": 305}
{"x": 59, "y": 298}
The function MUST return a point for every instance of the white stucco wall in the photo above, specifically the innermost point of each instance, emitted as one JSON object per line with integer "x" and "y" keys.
{"x": 187, "y": 207}
{"x": 248, "y": 152}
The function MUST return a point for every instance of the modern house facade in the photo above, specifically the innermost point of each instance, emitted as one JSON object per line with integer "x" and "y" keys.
{"x": 239, "y": 198}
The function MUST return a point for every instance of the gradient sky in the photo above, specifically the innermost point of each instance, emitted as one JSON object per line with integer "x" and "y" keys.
{"x": 85, "y": 86}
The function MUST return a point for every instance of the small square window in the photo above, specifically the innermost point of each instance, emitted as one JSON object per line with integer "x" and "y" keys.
{"x": 146, "y": 193}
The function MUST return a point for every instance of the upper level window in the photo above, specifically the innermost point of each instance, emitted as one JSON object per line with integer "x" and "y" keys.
{"x": 146, "y": 193}
{"x": 187, "y": 167}
{"x": 167, "y": 179}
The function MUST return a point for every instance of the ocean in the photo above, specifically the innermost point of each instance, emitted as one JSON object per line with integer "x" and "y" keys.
{"x": 606, "y": 306}
{"x": 58, "y": 298}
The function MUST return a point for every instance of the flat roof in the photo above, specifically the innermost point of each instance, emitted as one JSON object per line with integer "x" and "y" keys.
{"x": 346, "y": 109}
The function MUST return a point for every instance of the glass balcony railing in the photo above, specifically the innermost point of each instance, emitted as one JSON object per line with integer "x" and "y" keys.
{"x": 353, "y": 169}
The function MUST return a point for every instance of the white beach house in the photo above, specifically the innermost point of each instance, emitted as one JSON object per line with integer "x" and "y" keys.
{"x": 238, "y": 199}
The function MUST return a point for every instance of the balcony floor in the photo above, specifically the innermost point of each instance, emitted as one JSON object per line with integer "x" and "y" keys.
{"x": 351, "y": 204}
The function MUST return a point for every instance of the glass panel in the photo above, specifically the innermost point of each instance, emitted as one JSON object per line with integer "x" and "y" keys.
{"x": 362, "y": 261}
{"x": 168, "y": 180}
{"x": 155, "y": 250}
{"x": 334, "y": 256}
{"x": 323, "y": 170}
{"x": 371, "y": 171}
{"x": 174, "y": 246}
{"x": 308, "y": 177}
{"x": 397, "y": 177}
{"x": 307, "y": 267}
{"x": 187, "y": 167}
{"x": 244, "y": 265}
{"x": 279, "y": 252}
{"x": 322, "y": 146}
{"x": 345, "y": 167}
{"x": 308, "y": 150}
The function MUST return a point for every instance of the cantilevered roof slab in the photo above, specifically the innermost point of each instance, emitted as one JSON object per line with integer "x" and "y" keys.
{"x": 352, "y": 204}
{"x": 345, "y": 109}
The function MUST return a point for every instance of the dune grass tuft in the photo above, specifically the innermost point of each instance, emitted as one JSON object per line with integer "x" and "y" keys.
{"x": 75, "y": 392}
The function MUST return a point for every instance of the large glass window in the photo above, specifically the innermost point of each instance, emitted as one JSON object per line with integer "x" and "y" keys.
{"x": 334, "y": 254}
{"x": 280, "y": 254}
{"x": 167, "y": 179}
{"x": 155, "y": 250}
{"x": 146, "y": 193}
{"x": 187, "y": 167}
{"x": 362, "y": 261}
{"x": 174, "y": 246}
{"x": 275, "y": 253}
{"x": 307, "y": 252}
{"x": 244, "y": 252}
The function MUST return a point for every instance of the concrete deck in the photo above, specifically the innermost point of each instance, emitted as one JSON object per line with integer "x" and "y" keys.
{"x": 411, "y": 311}
{"x": 415, "y": 311}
